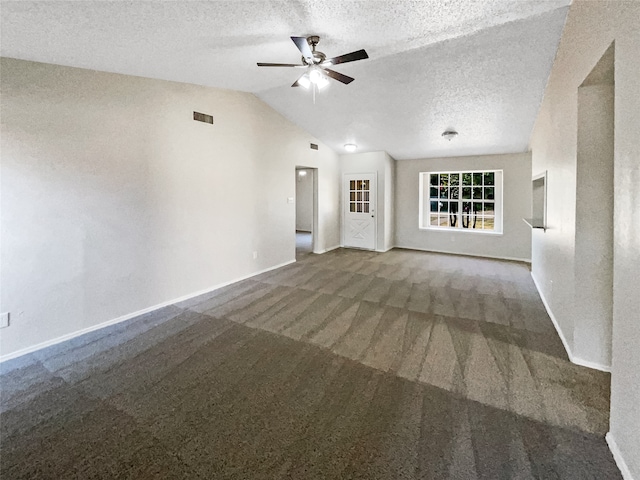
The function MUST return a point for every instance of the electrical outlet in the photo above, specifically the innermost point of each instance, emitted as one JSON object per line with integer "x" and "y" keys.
{"x": 255, "y": 255}
{"x": 4, "y": 319}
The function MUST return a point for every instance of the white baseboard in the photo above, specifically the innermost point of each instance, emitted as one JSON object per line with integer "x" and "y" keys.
{"x": 319, "y": 252}
{"x": 553, "y": 317}
{"x": 573, "y": 358}
{"x": 617, "y": 456}
{"x": 511, "y": 259}
{"x": 586, "y": 363}
{"x": 69, "y": 336}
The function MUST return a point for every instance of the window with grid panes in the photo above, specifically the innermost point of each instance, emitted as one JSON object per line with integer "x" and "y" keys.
{"x": 359, "y": 196}
{"x": 470, "y": 200}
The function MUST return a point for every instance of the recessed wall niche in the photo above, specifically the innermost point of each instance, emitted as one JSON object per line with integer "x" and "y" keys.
{"x": 539, "y": 201}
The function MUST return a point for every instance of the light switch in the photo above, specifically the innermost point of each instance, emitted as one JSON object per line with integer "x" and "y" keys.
{"x": 4, "y": 319}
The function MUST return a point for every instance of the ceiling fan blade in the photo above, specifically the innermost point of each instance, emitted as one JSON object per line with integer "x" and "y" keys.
{"x": 348, "y": 57}
{"x": 295, "y": 65}
{"x": 303, "y": 46}
{"x": 338, "y": 76}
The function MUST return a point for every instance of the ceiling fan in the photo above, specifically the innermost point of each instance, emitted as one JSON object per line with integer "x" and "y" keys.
{"x": 316, "y": 63}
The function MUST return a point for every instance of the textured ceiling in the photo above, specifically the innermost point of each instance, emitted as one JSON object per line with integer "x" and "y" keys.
{"x": 477, "y": 66}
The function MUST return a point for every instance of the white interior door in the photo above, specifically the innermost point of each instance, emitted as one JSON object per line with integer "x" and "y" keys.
{"x": 360, "y": 211}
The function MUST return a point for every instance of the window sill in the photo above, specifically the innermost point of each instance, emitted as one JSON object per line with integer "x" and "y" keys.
{"x": 535, "y": 223}
{"x": 461, "y": 230}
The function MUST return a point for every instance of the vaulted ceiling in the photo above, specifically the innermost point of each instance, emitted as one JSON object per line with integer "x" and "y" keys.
{"x": 476, "y": 66}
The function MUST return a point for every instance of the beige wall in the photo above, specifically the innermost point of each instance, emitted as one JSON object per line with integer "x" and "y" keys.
{"x": 590, "y": 29}
{"x": 114, "y": 200}
{"x": 383, "y": 165}
{"x": 514, "y": 243}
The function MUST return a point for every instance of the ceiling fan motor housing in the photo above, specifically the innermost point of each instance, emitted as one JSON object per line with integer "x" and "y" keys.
{"x": 318, "y": 57}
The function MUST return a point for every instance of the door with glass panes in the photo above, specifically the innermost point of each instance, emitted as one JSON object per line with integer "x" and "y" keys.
{"x": 360, "y": 211}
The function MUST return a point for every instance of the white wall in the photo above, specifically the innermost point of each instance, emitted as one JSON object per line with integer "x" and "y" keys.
{"x": 304, "y": 200}
{"x": 590, "y": 29}
{"x": 515, "y": 241}
{"x": 115, "y": 200}
{"x": 384, "y": 166}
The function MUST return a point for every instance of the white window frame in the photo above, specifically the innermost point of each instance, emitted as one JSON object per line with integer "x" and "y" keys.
{"x": 424, "y": 211}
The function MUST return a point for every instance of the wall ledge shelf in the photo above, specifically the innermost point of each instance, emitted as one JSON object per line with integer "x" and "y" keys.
{"x": 535, "y": 223}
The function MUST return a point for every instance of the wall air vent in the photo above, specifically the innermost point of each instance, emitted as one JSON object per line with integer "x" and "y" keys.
{"x": 314, "y": 146}
{"x": 202, "y": 117}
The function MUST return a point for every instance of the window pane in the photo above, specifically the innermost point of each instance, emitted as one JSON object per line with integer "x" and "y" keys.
{"x": 433, "y": 220}
{"x": 365, "y": 185}
{"x": 365, "y": 207}
{"x": 434, "y": 206}
{"x": 444, "y": 206}
{"x": 489, "y": 223}
{"x": 489, "y": 193}
{"x": 477, "y": 192}
{"x": 352, "y": 207}
{"x": 444, "y": 179}
{"x": 477, "y": 179}
{"x": 444, "y": 192}
{"x": 454, "y": 192}
{"x": 433, "y": 192}
{"x": 352, "y": 196}
{"x": 466, "y": 179}
{"x": 365, "y": 196}
{"x": 434, "y": 179}
{"x": 359, "y": 208}
{"x": 466, "y": 192}
{"x": 454, "y": 179}
{"x": 359, "y": 196}
{"x": 453, "y": 217}
{"x": 477, "y": 206}
{"x": 444, "y": 221}
{"x": 489, "y": 208}
{"x": 489, "y": 178}
{"x": 352, "y": 185}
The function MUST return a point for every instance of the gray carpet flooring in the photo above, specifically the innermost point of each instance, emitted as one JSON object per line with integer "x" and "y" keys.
{"x": 351, "y": 364}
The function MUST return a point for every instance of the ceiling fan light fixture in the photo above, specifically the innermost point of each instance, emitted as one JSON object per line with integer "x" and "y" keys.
{"x": 322, "y": 82}
{"x": 449, "y": 134}
{"x": 318, "y": 79}
{"x": 304, "y": 81}
{"x": 350, "y": 147}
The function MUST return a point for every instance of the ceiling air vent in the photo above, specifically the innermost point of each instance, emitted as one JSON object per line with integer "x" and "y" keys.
{"x": 314, "y": 146}
{"x": 202, "y": 117}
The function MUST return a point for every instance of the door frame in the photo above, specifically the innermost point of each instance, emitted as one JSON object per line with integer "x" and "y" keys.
{"x": 314, "y": 222}
{"x": 344, "y": 203}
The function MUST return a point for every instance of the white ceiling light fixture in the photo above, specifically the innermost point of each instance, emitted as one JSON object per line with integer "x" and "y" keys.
{"x": 317, "y": 78}
{"x": 350, "y": 147}
{"x": 313, "y": 77}
{"x": 449, "y": 134}
{"x": 304, "y": 81}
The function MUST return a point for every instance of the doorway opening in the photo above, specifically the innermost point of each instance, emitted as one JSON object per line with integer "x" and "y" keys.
{"x": 306, "y": 210}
